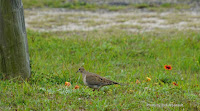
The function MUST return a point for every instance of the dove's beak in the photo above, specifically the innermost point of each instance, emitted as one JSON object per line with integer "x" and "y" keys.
{"x": 77, "y": 71}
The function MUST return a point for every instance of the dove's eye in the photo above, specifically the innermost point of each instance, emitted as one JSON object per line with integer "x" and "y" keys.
{"x": 79, "y": 69}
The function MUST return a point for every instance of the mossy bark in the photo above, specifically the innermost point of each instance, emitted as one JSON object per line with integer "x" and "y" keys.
{"x": 14, "y": 57}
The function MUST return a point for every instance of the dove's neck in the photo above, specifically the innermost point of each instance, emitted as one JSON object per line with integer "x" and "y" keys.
{"x": 84, "y": 74}
{"x": 84, "y": 77}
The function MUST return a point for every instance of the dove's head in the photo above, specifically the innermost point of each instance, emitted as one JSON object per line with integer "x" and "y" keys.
{"x": 81, "y": 69}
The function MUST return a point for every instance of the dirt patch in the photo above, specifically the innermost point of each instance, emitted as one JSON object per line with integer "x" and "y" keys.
{"x": 136, "y": 21}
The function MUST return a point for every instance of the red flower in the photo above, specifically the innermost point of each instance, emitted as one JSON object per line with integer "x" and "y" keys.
{"x": 168, "y": 67}
{"x": 196, "y": 85}
{"x": 137, "y": 81}
{"x": 76, "y": 87}
{"x": 175, "y": 84}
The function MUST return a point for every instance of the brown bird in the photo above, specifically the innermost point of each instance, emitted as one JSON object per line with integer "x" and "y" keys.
{"x": 93, "y": 80}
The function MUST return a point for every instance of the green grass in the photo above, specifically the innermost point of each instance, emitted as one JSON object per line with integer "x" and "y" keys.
{"x": 75, "y": 4}
{"x": 117, "y": 55}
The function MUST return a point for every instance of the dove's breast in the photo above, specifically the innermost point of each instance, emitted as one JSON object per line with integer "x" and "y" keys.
{"x": 84, "y": 80}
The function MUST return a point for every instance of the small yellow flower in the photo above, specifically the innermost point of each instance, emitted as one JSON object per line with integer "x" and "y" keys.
{"x": 67, "y": 84}
{"x": 148, "y": 79}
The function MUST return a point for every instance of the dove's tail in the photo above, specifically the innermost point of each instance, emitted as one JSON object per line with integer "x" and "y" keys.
{"x": 119, "y": 83}
{"x": 112, "y": 82}
{"x": 115, "y": 83}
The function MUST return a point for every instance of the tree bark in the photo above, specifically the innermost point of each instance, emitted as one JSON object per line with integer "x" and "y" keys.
{"x": 14, "y": 57}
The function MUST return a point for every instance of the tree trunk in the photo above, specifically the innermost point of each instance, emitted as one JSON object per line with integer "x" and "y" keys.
{"x": 14, "y": 57}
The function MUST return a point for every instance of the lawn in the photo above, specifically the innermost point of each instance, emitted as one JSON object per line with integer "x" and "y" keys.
{"x": 135, "y": 59}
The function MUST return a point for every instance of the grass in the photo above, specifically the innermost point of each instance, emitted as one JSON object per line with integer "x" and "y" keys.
{"x": 118, "y": 55}
{"x": 79, "y": 5}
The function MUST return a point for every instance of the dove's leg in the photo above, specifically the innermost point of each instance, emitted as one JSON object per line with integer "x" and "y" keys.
{"x": 99, "y": 88}
{"x": 93, "y": 90}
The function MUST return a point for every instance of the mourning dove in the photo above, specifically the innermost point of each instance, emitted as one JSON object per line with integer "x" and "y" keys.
{"x": 93, "y": 80}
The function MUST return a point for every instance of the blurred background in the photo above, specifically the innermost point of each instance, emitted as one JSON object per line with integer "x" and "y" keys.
{"x": 129, "y": 15}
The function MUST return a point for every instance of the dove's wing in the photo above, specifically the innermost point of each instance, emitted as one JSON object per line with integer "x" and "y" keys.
{"x": 94, "y": 79}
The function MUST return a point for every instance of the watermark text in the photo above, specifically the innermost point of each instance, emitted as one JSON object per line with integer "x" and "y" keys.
{"x": 165, "y": 105}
